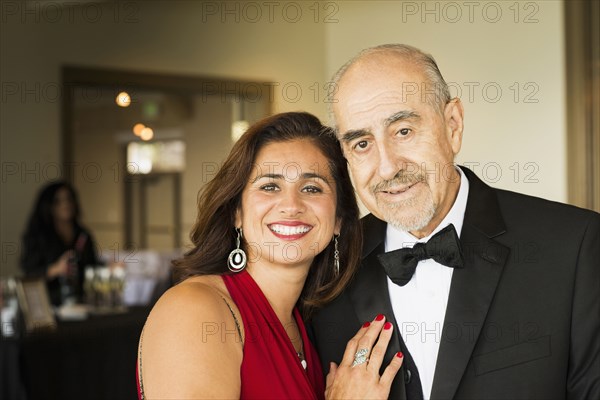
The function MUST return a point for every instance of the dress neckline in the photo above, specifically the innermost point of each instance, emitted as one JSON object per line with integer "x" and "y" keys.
{"x": 271, "y": 316}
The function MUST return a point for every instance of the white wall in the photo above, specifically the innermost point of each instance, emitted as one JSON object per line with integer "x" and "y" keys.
{"x": 513, "y": 143}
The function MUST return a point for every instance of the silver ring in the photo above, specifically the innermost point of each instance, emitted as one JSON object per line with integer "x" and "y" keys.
{"x": 360, "y": 357}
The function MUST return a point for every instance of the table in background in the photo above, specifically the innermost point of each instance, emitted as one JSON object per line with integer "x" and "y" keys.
{"x": 90, "y": 359}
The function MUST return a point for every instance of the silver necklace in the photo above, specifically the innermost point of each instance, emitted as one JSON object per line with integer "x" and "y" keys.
{"x": 302, "y": 359}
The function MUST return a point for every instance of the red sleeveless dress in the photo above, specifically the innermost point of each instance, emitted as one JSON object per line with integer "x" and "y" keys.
{"x": 271, "y": 368}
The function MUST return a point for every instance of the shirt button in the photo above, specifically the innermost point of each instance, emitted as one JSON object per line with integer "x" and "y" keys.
{"x": 407, "y": 376}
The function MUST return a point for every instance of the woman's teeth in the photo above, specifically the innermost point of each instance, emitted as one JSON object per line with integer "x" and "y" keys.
{"x": 289, "y": 230}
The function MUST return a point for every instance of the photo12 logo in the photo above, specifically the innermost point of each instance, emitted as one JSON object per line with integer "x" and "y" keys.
{"x": 269, "y": 11}
{"x": 453, "y": 12}
{"x": 70, "y": 12}
{"x": 253, "y": 92}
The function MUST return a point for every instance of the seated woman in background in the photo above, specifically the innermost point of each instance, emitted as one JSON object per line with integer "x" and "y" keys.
{"x": 232, "y": 328}
{"x": 55, "y": 245}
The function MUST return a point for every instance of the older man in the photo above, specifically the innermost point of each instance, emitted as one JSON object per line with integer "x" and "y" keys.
{"x": 494, "y": 294}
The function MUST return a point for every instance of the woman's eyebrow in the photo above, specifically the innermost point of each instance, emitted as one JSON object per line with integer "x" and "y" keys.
{"x": 304, "y": 176}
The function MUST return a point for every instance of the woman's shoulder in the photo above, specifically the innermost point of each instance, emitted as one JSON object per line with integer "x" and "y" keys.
{"x": 186, "y": 345}
{"x": 198, "y": 298}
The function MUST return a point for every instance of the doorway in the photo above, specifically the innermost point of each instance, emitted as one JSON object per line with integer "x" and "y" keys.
{"x": 153, "y": 214}
{"x": 149, "y": 203}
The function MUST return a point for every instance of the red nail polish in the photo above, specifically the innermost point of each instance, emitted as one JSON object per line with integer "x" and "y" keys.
{"x": 379, "y": 317}
{"x": 366, "y": 324}
{"x": 399, "y": 354}
{"x": 387, "y": 326}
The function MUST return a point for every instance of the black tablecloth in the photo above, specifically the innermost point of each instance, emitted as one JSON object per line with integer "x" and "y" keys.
{"x": 91, "y": 359}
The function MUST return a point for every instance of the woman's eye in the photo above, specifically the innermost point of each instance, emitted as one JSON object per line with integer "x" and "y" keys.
{"x": 311, "y": 189}
{"x": 404, "y": 131}
{"x": 269, "y": 187}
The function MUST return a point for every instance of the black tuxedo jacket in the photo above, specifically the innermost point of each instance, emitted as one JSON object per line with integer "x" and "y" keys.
{"x": 523, "y": 316}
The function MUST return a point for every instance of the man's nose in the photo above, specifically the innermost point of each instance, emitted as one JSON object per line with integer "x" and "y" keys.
{"x": 389, "y": 161}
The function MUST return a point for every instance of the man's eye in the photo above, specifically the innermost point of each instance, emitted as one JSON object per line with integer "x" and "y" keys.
{"x": 404, "y": 131}
{"x": 363, "y": 144}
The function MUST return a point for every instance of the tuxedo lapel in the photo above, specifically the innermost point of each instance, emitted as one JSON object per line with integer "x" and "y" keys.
{"x": 472, "y": 288}
{"x": 471, "y": 294}
{"x": 369, "y": 292}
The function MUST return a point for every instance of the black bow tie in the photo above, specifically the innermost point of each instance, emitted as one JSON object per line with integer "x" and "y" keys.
{"x": 443, "y": 247}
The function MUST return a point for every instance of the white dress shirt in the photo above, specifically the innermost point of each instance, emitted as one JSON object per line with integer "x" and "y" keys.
{"x": 420, "y": 305}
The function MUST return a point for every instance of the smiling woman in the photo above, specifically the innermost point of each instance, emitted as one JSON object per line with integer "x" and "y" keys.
{"x": 288, "y": 210}
{"x": 281, "y": 214}
{"x": 311, "y": 152}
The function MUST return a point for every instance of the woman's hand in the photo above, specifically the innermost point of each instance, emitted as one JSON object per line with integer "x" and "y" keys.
{"x": 357, "y": 376}
{"x": 60, "y": 267}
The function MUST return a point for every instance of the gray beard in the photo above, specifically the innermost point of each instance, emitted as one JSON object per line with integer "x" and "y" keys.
{"x": 414, "y": 222}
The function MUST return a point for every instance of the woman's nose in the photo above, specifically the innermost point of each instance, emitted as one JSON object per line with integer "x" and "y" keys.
{"x": 291, "y": 204}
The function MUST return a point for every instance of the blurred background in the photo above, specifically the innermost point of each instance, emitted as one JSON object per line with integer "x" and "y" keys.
{"x": 136, "y": 103}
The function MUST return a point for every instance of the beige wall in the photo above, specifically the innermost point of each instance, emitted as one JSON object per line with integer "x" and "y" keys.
{"x": 186, "y": 37}
{"x": 514, "y": 139}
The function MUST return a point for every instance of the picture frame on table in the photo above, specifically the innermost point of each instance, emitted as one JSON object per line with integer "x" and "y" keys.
{"x": 35, "y": 305}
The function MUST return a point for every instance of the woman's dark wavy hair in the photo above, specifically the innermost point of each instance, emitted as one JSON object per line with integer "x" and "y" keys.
{"x": 213, "y": 235}
{"x": 41, "y": 220}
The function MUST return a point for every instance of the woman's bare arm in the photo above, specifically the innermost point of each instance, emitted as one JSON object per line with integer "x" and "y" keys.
{"x": 190, "y": 348}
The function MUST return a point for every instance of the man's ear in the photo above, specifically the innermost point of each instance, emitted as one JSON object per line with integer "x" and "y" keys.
{"x": 453, "y": 118}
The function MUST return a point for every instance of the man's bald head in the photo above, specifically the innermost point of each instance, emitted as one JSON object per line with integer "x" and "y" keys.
{"x": 424, "y": 62}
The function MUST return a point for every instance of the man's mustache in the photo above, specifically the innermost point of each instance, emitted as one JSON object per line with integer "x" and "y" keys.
{"x": 402, "y": 178}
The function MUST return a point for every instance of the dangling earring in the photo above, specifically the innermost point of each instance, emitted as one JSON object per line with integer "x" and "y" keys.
{"x": 336, "y": 255}
{"x": 237, "y": 258}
